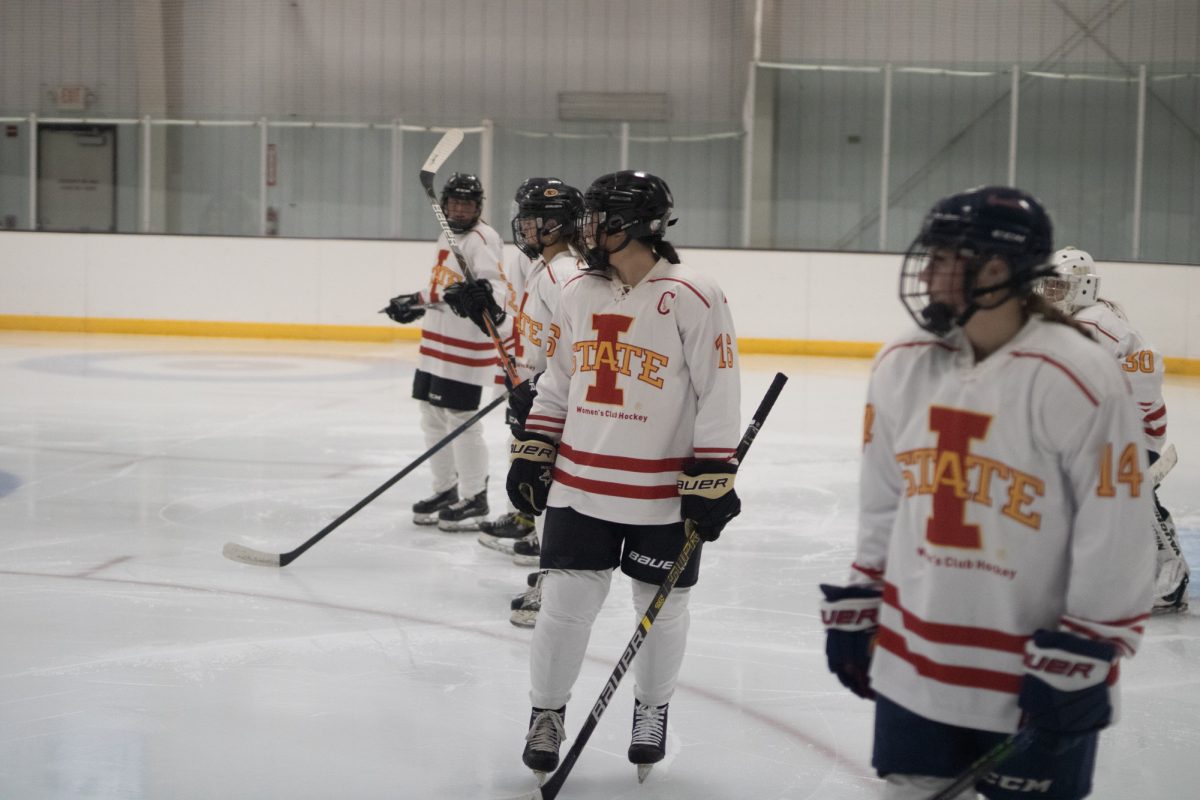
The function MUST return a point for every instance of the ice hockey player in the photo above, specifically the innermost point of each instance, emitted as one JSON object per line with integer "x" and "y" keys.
{"x": 641, "y": 389}
{"x": 457, "y": 360}
{"x": 995, "y": 583}
{"x": 542, "y": 229}
{"x": 1074, "y": 289}
{"x": 512, "y": 526}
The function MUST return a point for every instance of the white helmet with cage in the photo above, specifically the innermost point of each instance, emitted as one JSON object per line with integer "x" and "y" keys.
{"x": 1074, "y": 284}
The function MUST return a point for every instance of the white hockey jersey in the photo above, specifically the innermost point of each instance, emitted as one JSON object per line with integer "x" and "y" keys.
{"x": 1141, "y": 361}
{"x": 451, "y": 346}
{"x": 998, "y": 498}
{"x": 534, "y": 314}
{"x": 640, "y": 380}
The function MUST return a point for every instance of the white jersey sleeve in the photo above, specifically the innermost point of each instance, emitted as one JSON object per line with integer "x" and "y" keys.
{"x": 1141, "y": 361}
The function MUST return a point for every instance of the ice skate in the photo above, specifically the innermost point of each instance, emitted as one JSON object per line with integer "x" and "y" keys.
{"x": 525, "y": 612}
{"x": 1175, "y": 602}
{"x": 545, "y": 737}
{"x": 648, "y": 744}
{"x": 464, "y": 515}
{"x": 527, "y": 552}
{"x": 502, "y": 532}
{"x": 425, "y": 512}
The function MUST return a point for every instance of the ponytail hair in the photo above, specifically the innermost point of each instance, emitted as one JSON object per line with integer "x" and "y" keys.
{"x": 663, "y": 249}
{"x": 1036, "y": 304}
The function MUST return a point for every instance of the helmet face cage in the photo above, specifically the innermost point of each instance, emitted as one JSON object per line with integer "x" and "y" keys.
{"x": 547, "y": 212}
{"x": 962, "y": 233}
{"x": 1074, "y": 283}
{"x": 637, "y": 204}
{"x": 466, "y": 187}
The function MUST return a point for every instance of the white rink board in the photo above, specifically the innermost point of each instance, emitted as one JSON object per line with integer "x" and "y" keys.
{"x": 844, "y": 297}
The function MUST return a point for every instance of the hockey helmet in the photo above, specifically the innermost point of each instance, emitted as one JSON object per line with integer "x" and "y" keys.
{"x": 548, "y": 209}
{"x": 635, "y": 203}
{"x": 1074, "y": 283}
{"x": 462, "y": 186}
{"x": 963, "y": 232}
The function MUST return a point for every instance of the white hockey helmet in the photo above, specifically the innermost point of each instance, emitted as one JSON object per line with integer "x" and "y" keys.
{"x": 1074, "y": 284}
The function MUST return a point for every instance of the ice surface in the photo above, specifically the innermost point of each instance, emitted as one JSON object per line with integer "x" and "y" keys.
{"x": 139, "y": 663}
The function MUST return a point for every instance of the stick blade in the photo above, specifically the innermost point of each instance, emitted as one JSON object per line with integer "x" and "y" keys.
{"x": 248, "y": 555}
{"x": 451, "y": 139}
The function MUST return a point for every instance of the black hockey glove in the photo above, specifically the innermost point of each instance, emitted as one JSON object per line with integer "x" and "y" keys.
{"x": 709, "y": 500}
{"x": 851, "y": 618}
{"x": 520, "y": 401}
{"x": 1064, "y": 691}
{"x": 404, "y": 308}
{"x": 530, "y": 471}
{"x": 473, "y": 299}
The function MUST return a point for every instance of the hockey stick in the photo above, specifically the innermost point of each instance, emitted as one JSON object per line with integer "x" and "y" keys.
{"x": 441, "y": 151}
{"x": 1163, "y": 466}
{"x": 986, "y": 763}
{"x": 248, "y": 555}
{"x": 553, "y": 786}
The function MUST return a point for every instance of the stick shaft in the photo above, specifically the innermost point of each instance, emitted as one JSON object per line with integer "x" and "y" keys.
{"x": 552, "y": 787}
{"x": 986, "y": 763}
{"x": 289, "y": 557}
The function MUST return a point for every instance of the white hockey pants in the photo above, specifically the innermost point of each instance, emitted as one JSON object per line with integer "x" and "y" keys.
{"x": 571, "y": 599}
{"x": 464, "y": 460}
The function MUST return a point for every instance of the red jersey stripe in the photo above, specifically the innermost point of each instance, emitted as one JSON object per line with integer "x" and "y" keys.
{"x": 466, "y": 362}
{"x": 903, "y": 345}
{"x": 1065, "y": 371}
{"x": 1153, "y": 415}
{"x": 1097, "y": 327}
{"x": 870, "y": 572}
{"x": 688, "y": 285}
{"x": 463, "y": 343}
{"x": 960, "y": 635}
{"x": 626, "y": 463}
{"x": 543, "y": 418}
{"x": 970, "y": 677}
{"x": 660, "y": 492}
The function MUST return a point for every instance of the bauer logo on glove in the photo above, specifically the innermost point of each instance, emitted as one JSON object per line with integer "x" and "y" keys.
{"x": 708, "y": 501}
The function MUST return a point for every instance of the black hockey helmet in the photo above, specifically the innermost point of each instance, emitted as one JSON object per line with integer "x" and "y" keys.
{"x": 633, "y": 202}
{"x": 548, "y": 208}
{"x": 976, "y": 226}
{"x": 462, "y": 186}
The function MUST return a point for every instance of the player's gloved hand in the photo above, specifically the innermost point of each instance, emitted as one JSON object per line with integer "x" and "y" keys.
{"x": 709, "y": 500}
{"x": 530, "y": 471}
{"x": 404, "y": 308}
{"x": 851, "y": 618}
{"x": 473, "y": 299}
{"x": 1064, "y": 691}
{"x": 520, "y": 401}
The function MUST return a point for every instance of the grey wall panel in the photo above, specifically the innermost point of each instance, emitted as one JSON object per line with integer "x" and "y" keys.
{"x": 965, "y": 32}
{"x": 453, "y": 60}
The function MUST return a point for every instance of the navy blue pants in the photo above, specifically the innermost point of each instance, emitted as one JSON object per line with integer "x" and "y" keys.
{"x": 1052, "y": 768}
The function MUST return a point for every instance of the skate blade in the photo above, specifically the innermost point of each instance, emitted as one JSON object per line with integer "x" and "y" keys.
{"x": 1162, "y": 611}
{"x": 541, "y": 777}
{"x": 644, "y": 772}
{"x": 523, "y": 619}
{"x": 493, "y": 543}
{"x": 527, "y": 561}
{"x": 466, "y": 526}
{"x": 425, "y": 520}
